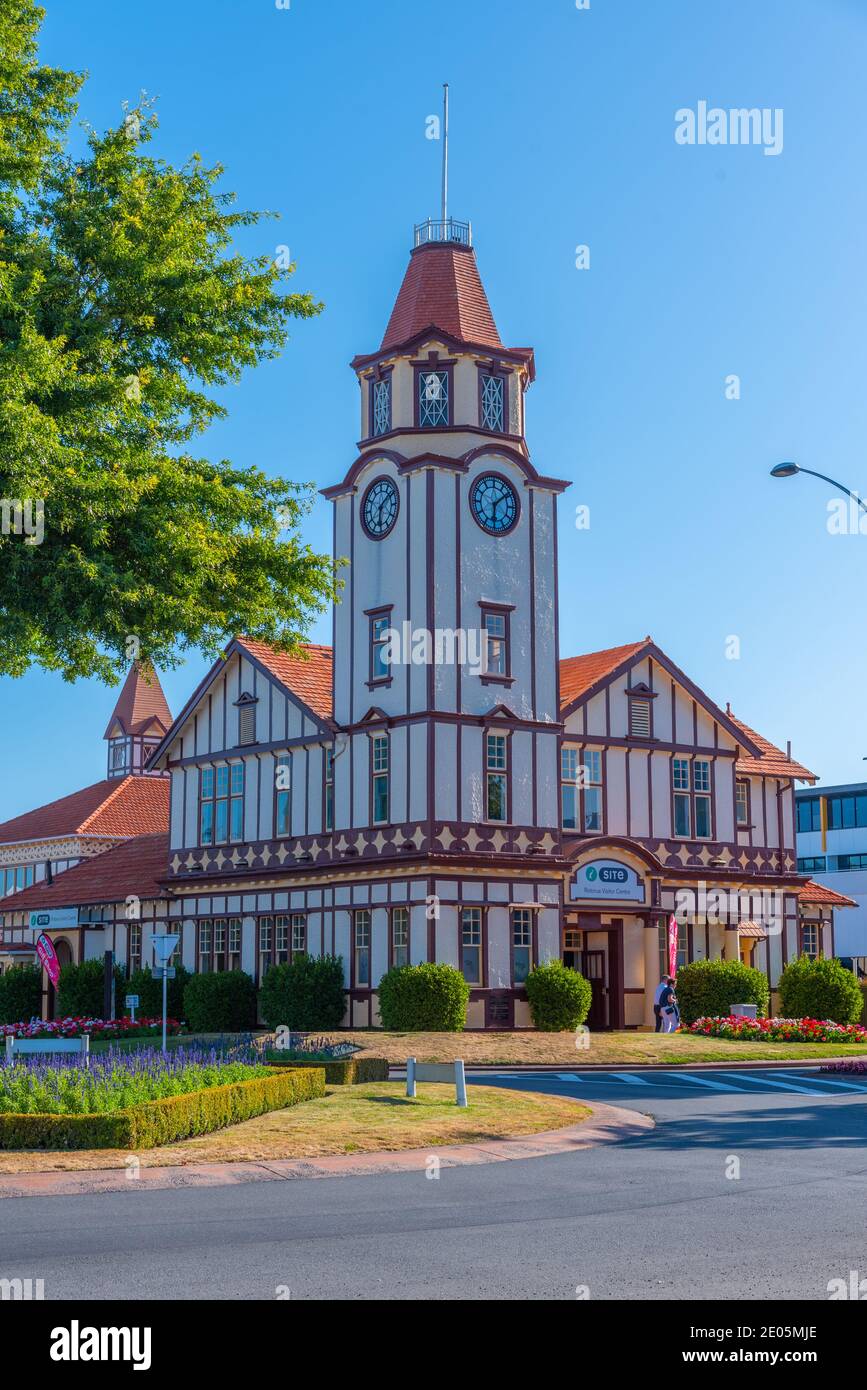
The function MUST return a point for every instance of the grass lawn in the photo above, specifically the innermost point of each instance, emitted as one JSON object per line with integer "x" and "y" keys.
{"x": 347, "y": 1120}
{"x": 181, "y": 1040}
{"x": 622, "y": 1049}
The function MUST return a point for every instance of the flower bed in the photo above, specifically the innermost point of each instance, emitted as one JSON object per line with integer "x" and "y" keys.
{"x": 98, "y": 1029}
{"x": 140, "y": 1099}
{"x": 856, "y": 1066}
{"x": 810, "y": 1030}
{"x": 60, "y": 1085}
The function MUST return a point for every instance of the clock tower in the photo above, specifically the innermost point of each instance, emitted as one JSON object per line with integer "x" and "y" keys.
{"x": 445, "y": 641}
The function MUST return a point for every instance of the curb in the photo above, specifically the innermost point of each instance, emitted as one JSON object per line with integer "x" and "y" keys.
{"x": 554, "y": 1068}
{"x": 609, "y": 1124}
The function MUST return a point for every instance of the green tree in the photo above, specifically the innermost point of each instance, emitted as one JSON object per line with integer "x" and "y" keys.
{"x": 124, "y": 308}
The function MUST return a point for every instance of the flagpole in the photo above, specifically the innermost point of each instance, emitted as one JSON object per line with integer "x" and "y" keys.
{"x": 445, "y": 185}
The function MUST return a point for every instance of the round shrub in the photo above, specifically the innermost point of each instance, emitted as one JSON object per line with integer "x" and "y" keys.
{"x": 150, "y": 994}
{"x": 708, "y": 988}
{"x": 220, "y": 1001}
{"x": 305, "y": 994}
{"x": 20, "y": 994}
{"x": 559, "y": 998}
{"x": 822, "y": 989}
{"x": 424, "y": 999}
{"x": 80, "y": 989}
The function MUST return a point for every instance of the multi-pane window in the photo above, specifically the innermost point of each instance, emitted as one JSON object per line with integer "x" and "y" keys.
{"x": 11, "y": 880}
{"x": 266, "y": 945}
{"x": 810, "y": 940}
{"x": 380, "y": 401}
{"x": 496, "y": 628}
{"x": 133, "y": 949}
{"x": 220, "y": 944}
{"x": 522, "y": 943}
{"x": 814, "y": 864}
{"x": 433, "y": 399}
{"x": 234, "y": 943}
{"x": 400, "y": 936}
{"x": 742, "y": 801}
{"x": 639, "y": 718}
{"x": 362, "y": 948}
{"x": 809, "y": 815}
{"x": 471, "y": 944}
{"x": 221, "y": 932}
{"x": 119, "y": 754}
{"x": 581, "y": 789}
{"x": 496, "y": 776}
{"x": 283, "y": 807}
{"x": 493, "y": 403}
{"x": 379, "y": 779}
{"x": 570, "y": 798}
{"x": 221, "y": 799}
{"x": 329, "y": 788}
{"x": 276, "y": 935}
{"x": 206, "y": 945}
{"x": 692, "y": 803}
{"x": 380, "y": 667}
{"x": 592, "y": 789}
{"x": 847, "y": 863}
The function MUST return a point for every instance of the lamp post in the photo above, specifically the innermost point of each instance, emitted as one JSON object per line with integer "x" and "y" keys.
{"x": 788, "y": 470}
{"x": 163, "y": 948}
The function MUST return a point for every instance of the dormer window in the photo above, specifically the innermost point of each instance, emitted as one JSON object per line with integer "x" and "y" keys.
{"x": 433, "y": 399}
{"x": 492, "y": 402}
{"x": 380, "y": 406}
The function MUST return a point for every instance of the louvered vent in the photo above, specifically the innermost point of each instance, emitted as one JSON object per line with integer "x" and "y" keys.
{"x": 639, "y": 719}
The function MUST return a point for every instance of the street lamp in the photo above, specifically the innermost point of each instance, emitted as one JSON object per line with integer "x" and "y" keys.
{"x": 788, "y": 470}
{"x": 163, "y": 948}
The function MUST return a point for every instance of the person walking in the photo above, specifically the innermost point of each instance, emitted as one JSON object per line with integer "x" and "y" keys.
{"x": 657, "y": 1007}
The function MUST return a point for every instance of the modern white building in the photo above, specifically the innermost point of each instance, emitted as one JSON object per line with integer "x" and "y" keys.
{"x": 832, "y": 849}
{"x": 438, "y": 784}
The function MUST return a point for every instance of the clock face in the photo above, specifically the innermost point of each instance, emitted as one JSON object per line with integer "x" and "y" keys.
{"x": 379, "y": 509}
{"x": 494, "y": 504}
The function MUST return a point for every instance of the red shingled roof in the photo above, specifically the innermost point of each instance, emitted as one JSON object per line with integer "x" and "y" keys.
{"x": 141, "y": 702}
{"x": 134, "y": 867}
{"x": 310, "y": 678}
{"x": 773, "y": 762}
{"x": 442, "y": 287}
{"x": 579, "y": 674}
{"x": 817, "y": 893}
{"x": 116, "y": 806}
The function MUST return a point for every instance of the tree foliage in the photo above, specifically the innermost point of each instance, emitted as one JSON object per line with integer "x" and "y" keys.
{"x": 124, "y": 309}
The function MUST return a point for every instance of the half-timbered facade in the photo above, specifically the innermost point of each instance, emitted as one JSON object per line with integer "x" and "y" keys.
{"x": 437, "y": 784}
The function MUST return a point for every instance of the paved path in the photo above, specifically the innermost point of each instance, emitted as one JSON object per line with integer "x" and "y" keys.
{"x": 659, "y": 1216}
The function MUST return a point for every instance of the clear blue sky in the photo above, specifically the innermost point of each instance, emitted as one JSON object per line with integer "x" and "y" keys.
{"x": 705, "y": 261}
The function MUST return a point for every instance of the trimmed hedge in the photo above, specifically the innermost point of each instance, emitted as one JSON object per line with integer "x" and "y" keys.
{"x": 150, "y": 994}
{"x": 559, "y": 998}
{"x": 80, "y": 989}
{"x": 164, "y": 1121}
{"x": 220, "y": 1001}
{"x": 347, "y": 1071}
{"x": 822, "y": 989}
{"x": 306, "y": 994}
{"x": 425, "y": 998}
{"x": 708, "y": 988}
{"x": 20, "y": 994}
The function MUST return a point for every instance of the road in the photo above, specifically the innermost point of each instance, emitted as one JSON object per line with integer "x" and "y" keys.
{"x": 752, "y": 1185}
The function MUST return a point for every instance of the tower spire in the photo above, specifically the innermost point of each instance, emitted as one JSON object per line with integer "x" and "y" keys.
{"x": 445, "y": 187}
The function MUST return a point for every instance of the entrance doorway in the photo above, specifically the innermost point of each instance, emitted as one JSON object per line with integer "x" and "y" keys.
{"x": 594, "y": 969}
{"x": 596, "y": 951}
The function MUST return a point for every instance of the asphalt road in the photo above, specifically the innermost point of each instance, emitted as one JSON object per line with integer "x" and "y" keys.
{"x": 749, "y": 1191}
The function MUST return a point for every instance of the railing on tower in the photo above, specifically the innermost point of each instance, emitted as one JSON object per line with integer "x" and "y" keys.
{"x": 436, "y": 229}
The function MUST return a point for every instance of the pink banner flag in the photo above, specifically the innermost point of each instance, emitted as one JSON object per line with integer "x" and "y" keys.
{"x": 672, "y": 945}
{"x": 48, "y": 958}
